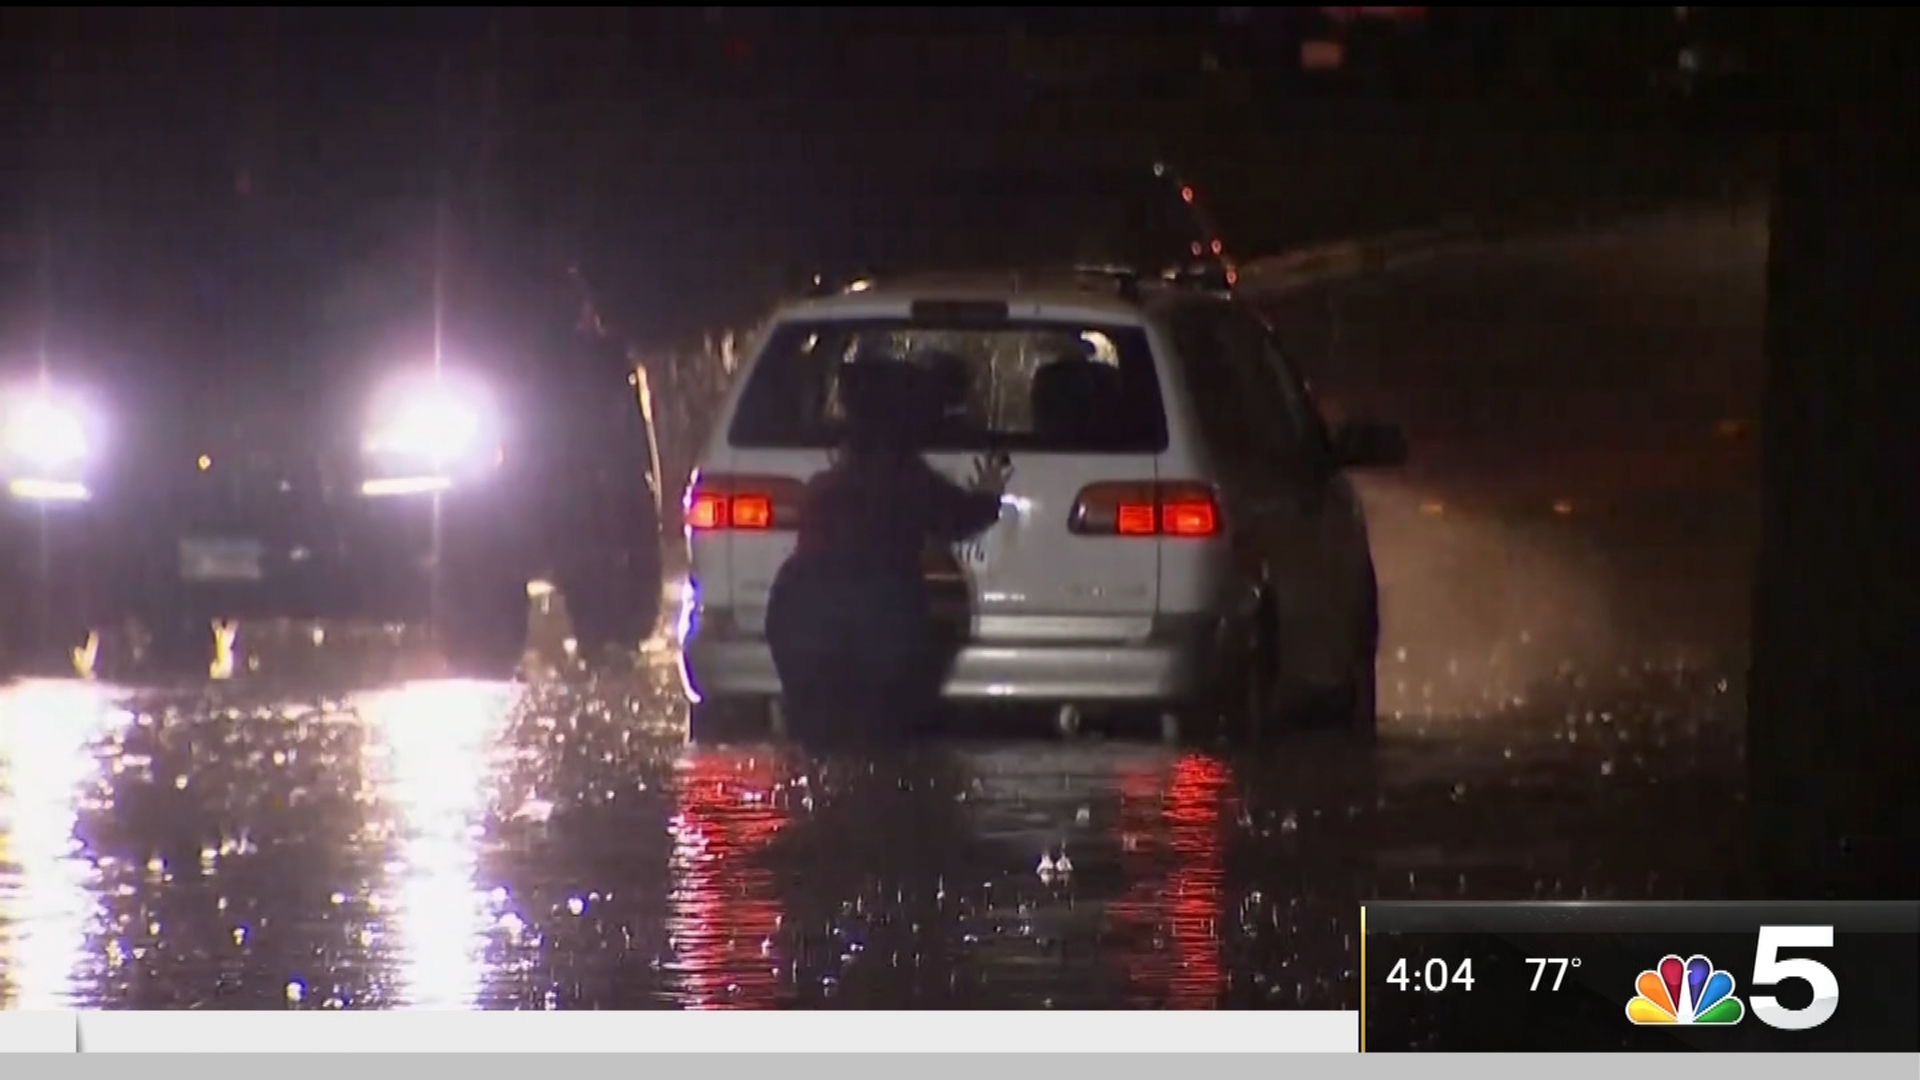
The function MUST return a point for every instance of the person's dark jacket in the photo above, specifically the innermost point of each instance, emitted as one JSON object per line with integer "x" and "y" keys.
{"x": 879, "y": 511}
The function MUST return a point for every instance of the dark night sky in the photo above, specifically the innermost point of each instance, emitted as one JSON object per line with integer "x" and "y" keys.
{"x": 261, "y": 153}
{"x": 284, "y": 161}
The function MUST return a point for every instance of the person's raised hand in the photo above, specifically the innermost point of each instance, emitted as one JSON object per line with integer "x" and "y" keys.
{"x": 991, "y": 473}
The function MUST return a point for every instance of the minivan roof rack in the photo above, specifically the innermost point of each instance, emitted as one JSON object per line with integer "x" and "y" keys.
{"x": 1207, "y": 275}
{"x": 1126, "y": 280}
{"x": 824, "y": 284}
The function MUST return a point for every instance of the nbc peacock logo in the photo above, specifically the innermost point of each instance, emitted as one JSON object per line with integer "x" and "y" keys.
{"x": 1685, "y": 992}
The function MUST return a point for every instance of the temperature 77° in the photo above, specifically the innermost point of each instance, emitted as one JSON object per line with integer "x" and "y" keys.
{"x": 1559, "y": 964}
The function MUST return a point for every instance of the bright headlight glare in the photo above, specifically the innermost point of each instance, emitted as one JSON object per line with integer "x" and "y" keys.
{"x": 40, "y": 431}
{"x": 430, "y": 422}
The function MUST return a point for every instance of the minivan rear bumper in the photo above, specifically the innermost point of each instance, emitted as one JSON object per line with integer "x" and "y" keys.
{"x": 1180, "y": 660}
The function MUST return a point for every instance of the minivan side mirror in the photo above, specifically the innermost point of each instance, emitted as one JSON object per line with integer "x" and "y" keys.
{"x": 1363, "y": 445}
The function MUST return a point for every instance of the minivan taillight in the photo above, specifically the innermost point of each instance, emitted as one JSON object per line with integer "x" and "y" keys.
{"x": 717, "y": 501}
{"x": 1178, "y": 508}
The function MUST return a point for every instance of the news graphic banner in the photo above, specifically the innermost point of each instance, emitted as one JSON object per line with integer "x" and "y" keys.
{"x": 1641, "y": 978}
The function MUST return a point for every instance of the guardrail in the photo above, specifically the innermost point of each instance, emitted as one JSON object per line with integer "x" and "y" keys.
{"x": 1341, "y": 259}
{"x": 1333, "y": 261}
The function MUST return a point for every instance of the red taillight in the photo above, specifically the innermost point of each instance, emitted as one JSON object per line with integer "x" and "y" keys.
{"x": 1146, "y": 508}
{"x": 706, "y": 510}
{"x": 745, "y": 503}
{"x": 1189, "y": 517}
{"x": 1135, "y": 519}
{"x": 752, "y": 512}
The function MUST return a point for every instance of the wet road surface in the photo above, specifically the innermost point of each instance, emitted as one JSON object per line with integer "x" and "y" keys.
{"x": 1560, "y": 688}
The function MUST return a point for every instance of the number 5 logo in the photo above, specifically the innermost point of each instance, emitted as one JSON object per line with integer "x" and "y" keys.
{"x": 1770, "y": 969}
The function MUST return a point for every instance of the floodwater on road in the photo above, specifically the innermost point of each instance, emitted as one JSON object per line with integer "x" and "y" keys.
{"x": 1561, "y": 684}
{"x": 557, "y": 844}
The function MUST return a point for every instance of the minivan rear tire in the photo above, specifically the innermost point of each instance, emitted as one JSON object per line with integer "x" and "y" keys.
{"x": 1351, "y": 709}
{"x": 1363, "y": 694}
{"x": 1362, "y": 705}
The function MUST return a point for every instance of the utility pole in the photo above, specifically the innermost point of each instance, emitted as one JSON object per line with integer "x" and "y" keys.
{"x": 488, "y": 193}
{"x": 442, "y": 211}
{"x": 53, "y": 156}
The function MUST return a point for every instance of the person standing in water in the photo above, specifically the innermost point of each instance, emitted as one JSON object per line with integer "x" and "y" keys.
{"x": 850, "y": 618}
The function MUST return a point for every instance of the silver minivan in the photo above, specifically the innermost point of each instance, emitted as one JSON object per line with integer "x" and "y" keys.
{"x": 1179, "y": 537}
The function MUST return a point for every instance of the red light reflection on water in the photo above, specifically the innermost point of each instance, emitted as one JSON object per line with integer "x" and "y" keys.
{"x": 1171, "y": 844}
{"x": 724, "y": 911}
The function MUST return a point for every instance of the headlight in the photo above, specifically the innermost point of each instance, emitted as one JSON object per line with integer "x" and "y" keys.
{"x": 42, "y": 435}
{"x": 431, "y": 429}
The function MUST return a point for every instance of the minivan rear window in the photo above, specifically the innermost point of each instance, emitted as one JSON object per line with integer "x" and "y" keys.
{"x": 1049, "y": 386}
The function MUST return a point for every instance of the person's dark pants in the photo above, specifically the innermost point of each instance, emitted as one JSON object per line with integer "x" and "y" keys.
{"x": 855, "y": 648}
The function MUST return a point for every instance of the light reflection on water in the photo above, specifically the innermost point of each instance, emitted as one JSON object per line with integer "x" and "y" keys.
{"x": 238, "y": 855}
{"x": 49, "y": 904}
{"x": 1172, "y": 846}
{"x": 434, "y": 747}
{"x": 724, "y": 912}
{"x": 1197, "y": 887}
